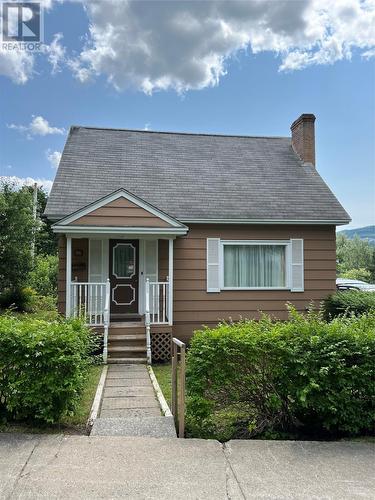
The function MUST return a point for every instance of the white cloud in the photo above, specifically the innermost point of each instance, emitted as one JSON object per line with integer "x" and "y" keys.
{"x": 55, "y": 53}
{"x": 37, "y": 126}
{"x": 147, "y": 126}
{"x": 159, "y": 45}
{"x": 16, "y": 65}
{"x": 53, "y": 157}
{"x": 27, "y": 181}
{"x": 185, "y": 45}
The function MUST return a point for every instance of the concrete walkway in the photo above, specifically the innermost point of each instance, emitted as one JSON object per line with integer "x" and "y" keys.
{"x": 129, "y": 406}
{"x": 105, "y": 467}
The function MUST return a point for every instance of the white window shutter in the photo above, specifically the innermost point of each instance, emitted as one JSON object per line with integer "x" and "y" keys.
{"x": 213, "y": 264}
{"x": 297, "y": 265}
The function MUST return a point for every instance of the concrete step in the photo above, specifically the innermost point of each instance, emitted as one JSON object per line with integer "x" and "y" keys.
{"x": 127, "y": 354}
{"x": 127, "y": 324}
{"x": 126, "y": 348}
{"x": 127, "y": 343}
{"x": 135, "y": 330}
{"x": 156, "y": 427}
{"x": 142, "y": 360}
{"x": 130, "y": 336}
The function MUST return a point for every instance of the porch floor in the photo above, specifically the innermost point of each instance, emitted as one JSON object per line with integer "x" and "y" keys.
{"x": 129, "y": 406}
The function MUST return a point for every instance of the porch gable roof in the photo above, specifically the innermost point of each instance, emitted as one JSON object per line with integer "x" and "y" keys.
{"x": 120, "y": 210}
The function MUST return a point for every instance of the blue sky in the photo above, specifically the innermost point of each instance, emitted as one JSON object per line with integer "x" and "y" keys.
{"x": 253, "y": 98}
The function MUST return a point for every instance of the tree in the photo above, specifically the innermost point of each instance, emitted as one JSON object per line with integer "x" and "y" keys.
{"x": 43, "y": 276}
{"x": 16, "y": 235}
{"x": 355, "y": 254}
{"x": 45, "y": 238}
{"x": 360, "y": 274}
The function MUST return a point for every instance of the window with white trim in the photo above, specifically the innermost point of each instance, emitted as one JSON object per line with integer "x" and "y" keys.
{"x": 255, "y": 265}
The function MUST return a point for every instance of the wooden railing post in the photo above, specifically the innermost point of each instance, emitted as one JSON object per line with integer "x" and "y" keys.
{"x": 181, "y": 395}
{"x": 174, "y": 381}
{"x": 178, "y": 389}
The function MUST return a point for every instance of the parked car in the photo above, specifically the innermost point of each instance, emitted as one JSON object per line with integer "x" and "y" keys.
{"x": 345, "y": 284}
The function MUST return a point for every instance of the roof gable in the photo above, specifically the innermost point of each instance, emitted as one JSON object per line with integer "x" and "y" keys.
{"x": 121, "y": 209}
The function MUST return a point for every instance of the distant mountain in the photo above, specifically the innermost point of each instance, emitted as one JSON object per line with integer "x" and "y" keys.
{"x": 365, "y": 233}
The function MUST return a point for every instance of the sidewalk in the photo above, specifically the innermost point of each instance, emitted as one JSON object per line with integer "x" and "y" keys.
{"x": 129, "y": 406}
{"x": 75, "y": 467}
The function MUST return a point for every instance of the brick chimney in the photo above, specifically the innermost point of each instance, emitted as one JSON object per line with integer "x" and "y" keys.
{"x": 303, "y": 138}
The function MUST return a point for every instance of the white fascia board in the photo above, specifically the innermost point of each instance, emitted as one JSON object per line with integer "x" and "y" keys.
{"x": 264, "y": 221}
{"x": 121, "y": 193}
{"x": 57, "y": 228}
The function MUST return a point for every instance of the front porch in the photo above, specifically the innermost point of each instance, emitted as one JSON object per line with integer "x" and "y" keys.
{"x": 122, "y": 286}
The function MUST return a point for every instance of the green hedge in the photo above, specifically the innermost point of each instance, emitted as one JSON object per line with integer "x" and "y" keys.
{"x": 18, "y": 299}
{"x": 349, "y": 302}
{"x": 43, "y": 366}
{"x": 301, "y": 377}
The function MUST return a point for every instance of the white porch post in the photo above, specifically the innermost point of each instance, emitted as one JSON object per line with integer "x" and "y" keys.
{"x": 170, "y": 278}
{"x": 68, "y": 276}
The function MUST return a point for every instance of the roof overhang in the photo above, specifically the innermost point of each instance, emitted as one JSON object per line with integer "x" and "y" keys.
{"x": 133, "y": 231}
{"x": 267, "y": 221}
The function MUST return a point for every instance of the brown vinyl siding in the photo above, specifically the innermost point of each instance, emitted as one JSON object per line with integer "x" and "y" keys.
{"x": 120, "y": 213}
{"x": 163, "y": 265}
{"x": 193, "y": 306}
{"x": 79, "y": 267}
{"x": 61, "y": 278}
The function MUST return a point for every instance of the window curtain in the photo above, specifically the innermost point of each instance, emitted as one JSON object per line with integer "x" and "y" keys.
{"x": 254, "y": 266}
{"x": 124, "y": 260}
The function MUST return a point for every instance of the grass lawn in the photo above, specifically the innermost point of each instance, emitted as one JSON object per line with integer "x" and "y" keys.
{"x": 79, "y": 418}
{"x": 72, "y": 424}
{"x": 163, "y": 373}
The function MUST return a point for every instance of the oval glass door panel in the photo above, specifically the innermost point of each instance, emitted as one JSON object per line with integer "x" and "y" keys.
{"x": 123, "y": 260}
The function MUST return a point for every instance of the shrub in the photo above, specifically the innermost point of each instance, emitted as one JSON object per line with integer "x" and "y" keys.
{"x": 360, "y": 274}
{"x": 304, "y": 376}
{"x": 349, "y": 302}
{"x": 42, "y": 367}
{"x": 43, "y": 276}
{"x": 19, "y": 299}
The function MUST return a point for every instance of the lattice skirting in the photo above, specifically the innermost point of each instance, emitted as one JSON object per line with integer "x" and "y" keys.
{"x": 161, "y": 346}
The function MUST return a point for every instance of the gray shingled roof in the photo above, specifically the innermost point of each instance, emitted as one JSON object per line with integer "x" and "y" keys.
{"x": 192, "y": 176}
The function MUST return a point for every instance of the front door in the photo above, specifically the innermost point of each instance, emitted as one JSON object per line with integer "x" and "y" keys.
{"x": 123, "y": 274}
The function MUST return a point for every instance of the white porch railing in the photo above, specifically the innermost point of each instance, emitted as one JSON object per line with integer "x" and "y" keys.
{"x": 88, "y": 301}
{"x": 159, "y": 302}
{"x": 157, "y": 308}
{"x": 91, "y": 302}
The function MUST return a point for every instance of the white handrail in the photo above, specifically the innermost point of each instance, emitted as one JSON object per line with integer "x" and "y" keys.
{"x": 148, "y": 321}
{"x": 106, "y": 319}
